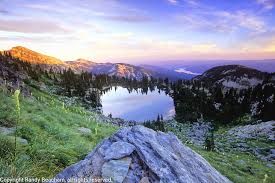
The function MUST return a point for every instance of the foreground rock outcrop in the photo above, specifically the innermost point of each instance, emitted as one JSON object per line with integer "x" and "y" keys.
{"x": 139, "y": 154}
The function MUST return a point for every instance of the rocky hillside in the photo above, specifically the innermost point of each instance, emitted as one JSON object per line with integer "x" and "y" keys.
{"x": 81, "y": 65}
{"x": 112, "y": 69}
{"x": 126, "y": 70}
{"x": 138, "y": 154}
{"x": 33, "y": 57}
{"x": 234, "y": 76}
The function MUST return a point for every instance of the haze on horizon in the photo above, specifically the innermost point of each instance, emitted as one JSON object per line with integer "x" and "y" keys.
{"x": 142, "y": 30}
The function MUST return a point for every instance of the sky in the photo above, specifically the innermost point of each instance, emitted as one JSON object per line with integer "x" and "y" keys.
{"x": 141, "y": 30}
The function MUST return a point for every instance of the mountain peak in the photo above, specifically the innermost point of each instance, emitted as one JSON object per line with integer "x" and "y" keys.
{"x": 22, "y": 48}
{"x": 33, "y": 57}
{"x": 81, "y": 64}
{"x": 233, "y": 76}
{"x": 82, "y": 60}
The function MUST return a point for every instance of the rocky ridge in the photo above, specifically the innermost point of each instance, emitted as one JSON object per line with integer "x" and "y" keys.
{"x": 246, "y": 138}
{"x": 265, "y": 129}
{"x": 139, "y": 154}
{"x": 33, "y": 57}
{"x": 112, "y": 69}
{"x": 234, "y": 76}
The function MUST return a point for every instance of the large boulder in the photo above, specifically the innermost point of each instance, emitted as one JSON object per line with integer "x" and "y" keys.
{"x": 138, "y": 154}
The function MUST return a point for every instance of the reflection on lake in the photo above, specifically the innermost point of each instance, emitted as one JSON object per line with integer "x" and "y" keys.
{"x": 137, "y": 106}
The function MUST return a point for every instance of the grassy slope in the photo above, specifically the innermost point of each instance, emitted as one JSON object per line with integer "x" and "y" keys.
{"x": 51, "y": 129}
{"x": 239, "y": 167}
{"x": 55, "y": 142}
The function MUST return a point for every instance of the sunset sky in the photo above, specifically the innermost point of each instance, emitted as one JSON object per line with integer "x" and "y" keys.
{"x": 141, "y": 30}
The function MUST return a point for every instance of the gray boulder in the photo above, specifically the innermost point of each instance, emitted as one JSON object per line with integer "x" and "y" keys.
{"x": 198, "y": 131}
{"x": 85, "y": 131}
{"x": 22, "y": 141}
{"x": 116, "y": 169}
{"x": 6, "y": 131}
{"x": 148, "y": 156}
{"x": 119, "y": 150}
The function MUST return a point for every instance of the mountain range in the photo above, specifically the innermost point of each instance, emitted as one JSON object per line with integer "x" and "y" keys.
{"x": 229, "y": 76}
{"x": 112, "y": 69}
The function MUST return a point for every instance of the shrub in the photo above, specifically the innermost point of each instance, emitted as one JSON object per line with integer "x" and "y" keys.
{"x": 209, "y": 142}
{"x": 26, "y": 133}
{"x": 65, "y": 158}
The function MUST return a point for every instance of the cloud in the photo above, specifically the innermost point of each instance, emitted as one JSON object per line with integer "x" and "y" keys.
{"x": 267, "y": 4}
{"x": 89, "y": 26}
{"x": 39, "y": 6}
{"x": 192, "y": 3}
{"x": 127, "y": 18}
{"x": 122, "y": 36}
{"x": 260, "y": 43}
{"x": 244, "y": 19}
{"x": 43, "y": 40}
{"x": 112, "y": 10}
{"x": 4, "y": 12}
{"x": 174, "y": 2}
{"x": 204, "y": 47}
{"x": 97, "y": 29}
{"x": 221, "y": 21}
{"x": 270, "y": 48}
{"x": 201, "y": 23}
{"x": 30, "y": 26}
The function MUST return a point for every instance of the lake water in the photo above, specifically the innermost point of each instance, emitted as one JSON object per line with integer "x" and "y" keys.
{"x": 137, "y": 106}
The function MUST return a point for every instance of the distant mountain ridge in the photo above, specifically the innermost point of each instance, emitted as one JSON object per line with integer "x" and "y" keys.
{"x": 200, "y": 66}
{"x": 81, "y": 64}
{"x": 112, "y": 69}
{"x": 234, "y": 76}
{"x": 229, "y": 76}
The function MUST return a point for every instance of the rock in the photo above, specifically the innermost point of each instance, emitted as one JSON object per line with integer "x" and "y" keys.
{"x": 144, "y": 180}
{"x": 116, "y": 169}
{"x": 119, "y": 150}
{"x": 25, "y": 157}
{"x": 241, "y": 162}
{"x": 159, "y": 156}
{"x": 270, "y": 157}
{"x": 270, "y": 165}
{"x": 6, "y": 131}
{"x": 198, "y": 132}
{"x": 85, "y": 131}
{"x": 264, "y": 129}
{"x": 22, "y": 141}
